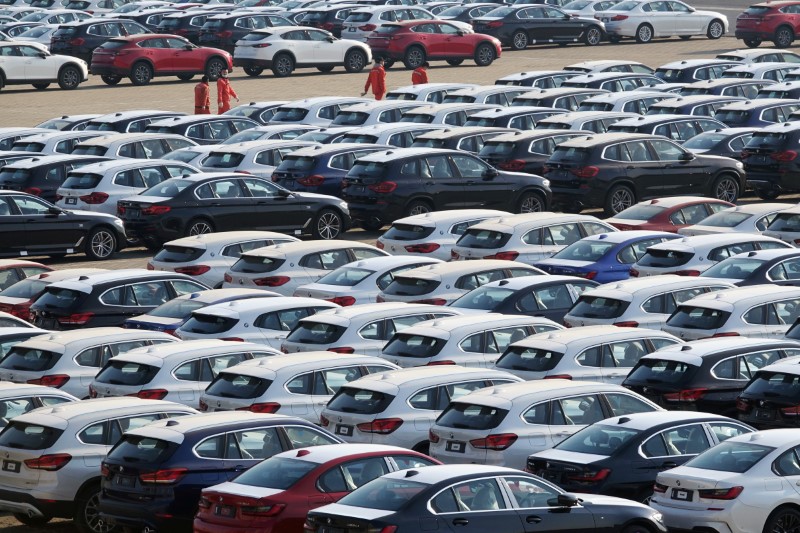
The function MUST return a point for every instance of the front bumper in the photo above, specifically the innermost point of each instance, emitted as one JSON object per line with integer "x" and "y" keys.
{"x": 157, "y": 516}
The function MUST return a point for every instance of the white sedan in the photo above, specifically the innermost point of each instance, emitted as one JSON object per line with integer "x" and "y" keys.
{"x": 25, "y": 63}
{"x": 647, "y": 19}
{"x": 283, "y": 49}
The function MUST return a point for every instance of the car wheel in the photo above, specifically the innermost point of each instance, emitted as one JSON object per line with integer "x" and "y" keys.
{"x": 783, "y": 37}
{"x": 415, "y": 57}
{"x": 644, "y": 33}
{"x": 253, "y": 71}
{"x": 726, "y": 188}
{"x": 614, "y": 39}
{"x": 455, "y": 62}
{"x": 530, "y": 202}
{"x": 282, "y": 65}
{"x": 152, "y": 245}
{"x": 593, "y": 36}
{"x": 32, "y": 521}
{"x": 388, "y": 63}
{"x": 716, "y": 29}
{"x": 69, "y": 77}
{"x": 326, "y": 68}
{"x": 372, "y": 224}
{"x": 355, "y": 61}
{"x": 783, "y": 519}
{"x": 111, "y": 79}
{"x": 328, "y": 225}
{"x": 485, "y": 55}
{"x": 101, "y": 244}
{"x": 619, "y": 199}
{"x": 141, "y": 74}
{"x": 768, "y": 194}
{"x": 199, "y": 226}
{"x": 645, "y": 496}
{"x": 423, "y": 447}
{"x": 41, "y": 86}
{"x": 519, "y": 41}
{"x": 752, "y": 43}
{"x": 87, "y": 517}
{"x": 214, "y": 66}
{"x": 418, "y": 207}
{"x": 185, "y": 77}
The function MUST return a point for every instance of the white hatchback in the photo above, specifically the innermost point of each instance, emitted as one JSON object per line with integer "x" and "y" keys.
{"x": 786, "y": 226}
{"x": 363, "y": 21}
{"x": 751, "y": 218}
{"x": 259, "y": 158}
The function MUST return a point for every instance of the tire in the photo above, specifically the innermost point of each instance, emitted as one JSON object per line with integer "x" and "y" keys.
{"x": 372, "y": 224}
{"x": 783, "y": 519}
{"x": 485, "y": 55}
{"x": 614, "y": 39}
{"x": 644, "y": 33}
{"x": 644, "y": 496}
{"x": 593, "y": 36}
{"x": 141, "y": 74}
{"x": 282, "y": 65}
{"x": 768, "y": 194}
{"x": 455, "y": 62}
{"x": 151, "y": 245}
{"x": 214, "y": 66}
{"x": 519, "y": 40}
{"x": 423, "y": 447}
{"x": 388, "y": 63}
{"x": 111, "y": 79}
{"x": 418, "y": 207}
{"x": 87, "y": 518}
{"x": 199, "y": 226}
{"x": 752, "y": 43}
{"x": 638, "y": 528}
{"x": 328, "y": 225}
{"x": 619, "y": 198}
{"x": 726, "y": 188}
{"x": 414, "y": 57}
{"x": 355, "y": 61}
{"x": 185, "y": 77}
{"x": 32, "y": 521}
{"x": 716, "y": 29}
{"x": 41, "y": 86}
{"x": 69, "y": 77}
{"x": 783, "y": 37}
{"x": 253, "y": 71}
{"x": 530, "y": 202}
{"x": 101, "y": 244}
{"x": 326, "y": 68}
{"x": 685, "y": 37}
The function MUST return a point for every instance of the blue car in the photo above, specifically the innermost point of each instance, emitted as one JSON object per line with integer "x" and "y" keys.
{"x": 605, "y": 257}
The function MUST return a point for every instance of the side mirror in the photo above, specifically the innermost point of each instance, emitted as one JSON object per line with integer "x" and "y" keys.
{"x": 460, "y": 33}
{"x": 490, "y": 173}
{"x": 283, "y": 193}
{"x": 43, "y": 55}
{"x": 687, "y": 156}
{"x": 330, "y": 39}
{"x": 54, "y": 210}
{"x": 188, "y": 47}
{"x": 567, "y": 500}
{"x": 566, "y": 16}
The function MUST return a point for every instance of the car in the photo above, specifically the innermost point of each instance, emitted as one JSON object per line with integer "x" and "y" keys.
{"x": 361, "y": 22}
{"x": 192, "y": 155}
{"x": 754, "y": 218}
{"x": 55, "y": 16}
{"x": 132, "y": 145}
{"x": 597, "y": 459}
{"x": 454, "y": 114}
{"x": 441, "y": 284}
{"x": 68, "y": 361}
{"x": 15, "y": 270}
{"x": 274, "y": 132}
{"x": 398, "y": 134}
{"x": 434, "y": 493}
{"x": 519, "y": 26}
{"x": 377, "y": 112}
{"x": 591, "y": 121}
{"x": 196, "y": 460}
{"x": 68, "y": 122}
{"x": 586, "y": 8}
{"x": 208, "y": 256}
{"x": 609, "y": 65}
{"x": 425, "y": 92}
{"x": 261, "y": 111}
{"x": 757, "y": 113}
{"x": 68, "y": 72}
{"x": 567, "y": 98}
{"x": 690, "y": 256}
{"x": 328, "y": 17}
{"x": 416, "y": 41}
{"x": 56, "y": 451}
{"x": 80, "y": 38}
{"x": 760, "y": 56}
{"x": 771, "y": 70}
{"x": 520, "y": 118}
{"x": 128, "y": 121}
{"x": 628, "y": 101}
{"x": 501, "y": 95}
{"x": 785, "y": 89}
{"x": 768, "y": 400}
{"x": 678, "y": 128}
{"x": 778, "y": 267}
{"x": 613, "y": 81}
{"x": 541, "y": 79}
{"x": 19, "y": 398}
{"x": 316, "y": 111}
{"x": 185, "y": 206}
{"x": 53, "y": 143}
{"x": 705, "y": 375}
{"x": 362, "y": 329}
{"x": 320, "y": 475}
{"x": 784, "y": 226}
{"x": 17, "y": 298}
{"x": 299, "y": 384}
{"x": 257, "y": 158}
{"x": 502, "y": 425}
{"x": 667, "y": 214}
{"x": 645, "y": 20}
{"x": 701, "y": 104}
{"x": 186, "y": 23}
{"x": 767, "y": 21}
{"x": 525, "y": 237}
{"x": 225, "y": 30}
{"x": 10, "y": 135}
{"x": 468, "y": 139}
{"x": 203, "y": 129}
{"x": 285, "y": 49}
{"x": 10, "y": 321}
{"x": 691, "y": 70}
{"x": 639, "y": 303}
{"x": 583, "y": 172}
{"x": 289, "y": 265}
{"x": 43, "y": 174}
{"x": 725, "y": 142}
{"x": 525, "y": 151}
{"x": 769, "y": 160}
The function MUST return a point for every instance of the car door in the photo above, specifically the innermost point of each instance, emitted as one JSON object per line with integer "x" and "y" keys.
{"x": 536, "y": 505}
{"x": 686, "y": 22}
{"x": 680, "y": 172}
{"x": 483, "y": 185}
{"x": 620, "y": 357}
{"x": 158, "y": 53}
{"x": 475, "y": 506}
{"x": 13, "y": 62}
{"x": 328, "y": 381}
{"x": 427, "y": 35}
{"x": 324, "y": 48}
{"x": 661, "y": 17}
{"x": 439, "y": 180}
{"x": 45, "y": 230}
{"x": 457, "y": 43}
{"x": 38, "y": 65}
{"x": 246, "y": 448}
{"x": 561, "y": 26}
{"x": 227, "y": 201}
{"x": 570, "y": 414}
{"x": 183, "y": 59}
{"x": 13, "y": 232}
{"x": 272, "y": 209}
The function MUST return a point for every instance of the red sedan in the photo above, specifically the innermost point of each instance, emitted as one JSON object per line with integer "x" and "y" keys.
{"x": 275, "y": 495}
{"x": 667, "y": 214}
{"x": 143, "y": 57}
{"x": 417, "y": 41}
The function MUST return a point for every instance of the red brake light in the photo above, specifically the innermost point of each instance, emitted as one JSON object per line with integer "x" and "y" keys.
{"x": 262, "y": 45}
{"x": 433, "y": 437}
{"x": 59, "y": 197}
{"x": 367, "y": 27}
{"x": 75, "y": 319}
{"x": 268, "y": 407}
{"x": 312, "y": 181}
{"x": 227, "y": 277}
{"x": 633, "y": 273}
{"x": 163, "y": 477}
{"x": 94, "y": 198}
{"x": 498, "y": 442}
{"x": 379, "y": 245}
{"x": 202, "y": 406}
{"x": 233, "y": 339}
{"x": 586, "y": 172}
{"x": 720, "y": 494}
{"x": 590, "y": 476}
{"x": 151, "y": 394}
{"x": 36, "y": 191}
{"x": 18, "y": 310}
{"x": 424, "y": 248}
{"x": 327, "y": 26}
{"x": 494, "y": 24}
{"x": 104, "y": 470}
{"x": 150, "y": 266}
{"x": 195, "y": 270}
{"x": 627, "y": 324}
{"x": 51, "y": 462}
{"x": 726, "y": 334}
{"x": 431, "y": 301}
{"x": 558, "y": 376}
{"x": 224, "y": 34}
{"x": 382, "y": 426}
{"x": 77, "y": 42}
{"x": 156, "y": 210}
{"x": 786, "y": 155}
{"x": 508, "y": 256}
{"x": 441, "y": 363}
{"x": 590, "y": 275}
{"x": 659, "y": 488}
{"x": 323, "y": 421}
{"x": 344, "y": 301}
{"x": 687, "y": 273}
{"x": 743, "y": 405}
{"x": 342, "y": 349}
{"x": 384, "y": 187}
{"x": 120, "y": 210}
{"x": 270, "y": 509}
{"x": 56, "y": 381}
{"x": 513, "y": 165}
{"x": 686, "y": 395}
{"x": 791, "y": 411}
{"x": 271, "y": 281}
{"x": 617, "y": 18}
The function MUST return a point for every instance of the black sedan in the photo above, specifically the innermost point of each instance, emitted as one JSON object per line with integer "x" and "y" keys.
{"x": 727, "y": 142}
{"x": 466, "y": 12}
{"x": 777, "y": 267}
{"x": 208, "y": 202}
{"x": 518, "y": 26}
{"x": 32, "y": 226}
{"x": 476, "y": 499}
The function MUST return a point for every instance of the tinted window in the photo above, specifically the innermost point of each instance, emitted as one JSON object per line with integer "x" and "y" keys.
{"x": 384, "y": 493}
{"x": 470, "y": 416}
{"x": 598, "y": 307}
{"x": 352, "y": 400}
{"x": 29, "y": 359}
{"x": 276, "y": 473}
{"x": 229, "y": 385}
{"x": 125, "y": 373}
{"x": 656, "y": 371}
{"x": 597, "y": 440}
{"x": 530, "y": 359}
{"x": 28, "y": 436}
{"x": 698, "y": 318}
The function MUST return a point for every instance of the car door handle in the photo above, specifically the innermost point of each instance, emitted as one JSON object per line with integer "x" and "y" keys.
{"x": 562, "y": 433}
{"x": 630, "y": 167}
{"x": 460, "y": 522}
{"x": 669, "y": 464}
{"x": 533, "y": 519}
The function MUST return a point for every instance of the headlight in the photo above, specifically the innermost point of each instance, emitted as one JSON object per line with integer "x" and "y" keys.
{"x": 546, "y": 183}
{"x": 658, "y": 517}
{"x": 118, "y": 222}
{"x": 739, "y": 164}
{"x": 343, "y": 205}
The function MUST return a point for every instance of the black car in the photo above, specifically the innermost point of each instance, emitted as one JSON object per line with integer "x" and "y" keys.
{"x": 692, "y": 70}
{"x": 726, "y": 87}
{"x": 771, "y": 398}
{"x": 107, "y": 298}
{"x": 79, "y": 39}
{"x": 150, "y": 18}
{"x": 204, "y": 203}
{"x": 770, "y": 160}
{"x": 520, "y": 26}
{"x": 42, "y": 175}
{"x": 616, "y": 170}
{"x": 329, "y": 17}
{"x": 465, "y": 138}
{"x": 203, "y": 129}
{"x": 621, "y": 456}
{"x": 476, "y": 499}
{"x": 387, "y": 185}
{"x": 31, "y": 226}
{"x": 520, "y": 118}
{"x": 541, "y": 79}
{"x": 9, "y": 156}
{"x": 187, "y": 25}
{"x": 67, "y": 122}
{"x": 780, "y": 266}
{"x": 525, "y": 151}
{"x": 466, "y": 12}
{"x": 702, "y": 104}
{"x": 222, "y": 31}
{"x": 129, "y": 121}
{"x": 726, "y": 142}
{"x": 567, "y": 98}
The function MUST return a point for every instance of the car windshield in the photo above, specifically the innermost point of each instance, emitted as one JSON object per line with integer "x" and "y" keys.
{"x": 729, "y": 117}
{"x": 29, "y": 359}
{"x": 669, "y": 75}
{"x": 403, "y": 286}
{"x": 126, "y": 373}
{"x": 295, "y": 163}
{"x": 692, "y": 317}
{"x": 640, "y": 212}
{"x": 350, "y": 118}
{"x": 585, "y": 250}
{"x": 427, "y": 143}
{"x": 388, "y": 494}
{"x": 409, "y": 345}
{"x": 307, "y": 332}
{"x": 256, "y": 264}
{"x": 184, "y": 156}
{"x": 143, "y": 450}
{"x": 59, "y": 298}
{"x": 758, "y": 11}
{"x": 661, "y": 371}
{"x": 177, "y": 308}
{"x": 596, "y": 106}
{"x": 367, "y": 169}
{"x": 276, "y": 473}
{"x": 487, "y": 298}
{"x": 15, "y": 175}
{"x": 223, "y": 160}
{"x": 82, "y": 180}
{"x": 27, "y": 288}
{"x": 346, "y": 276}
{"x": 589, "y": 306}
{"x": 786, "y": 222}
{"x": 734, "y": 268}
{"x": 737, "y": 457}
{"x": 660, "y": 258}
{"x": 178, "y": 254}
{"x": 460, "y": 415}
{"x": 35, "y": 32}
{"x": 529, "y": 359}
{"x": 359, "y": 401}
{"x": 598, "y": 439}
{"x": 168, "y": 189}
{"x": 704, "y": 141}
{"x": 385, "y": 29}
{"x": 483, "y": 239}
{"x": 230, "y": 385}
{"x": 407, "y": 232}
{"x": 765, "y": 140}
{"x": 725, "y": 219}
{"x": 564, "y": 154}
{"x": 775, "y": 385}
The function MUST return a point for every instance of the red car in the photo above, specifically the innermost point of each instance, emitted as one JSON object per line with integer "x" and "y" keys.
{"x": 142, "y": 57}
{"x": 667, "y": 214}
{"x": 14, "y": 270}
{"x": 275, "y": 495}
{"x": 417, "y": 41}
{"x": 778, "y": 22}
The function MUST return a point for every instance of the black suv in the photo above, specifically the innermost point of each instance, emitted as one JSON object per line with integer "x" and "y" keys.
{"x": 42, "y": 175}
{"x": 79, "y": 39}
{"x": 222, "y": 31}
{"x": 387, "y": 185}
{"x": 771, "y": 160}
{"x": 186, "y": 25}
{"x": 330, "y": 18}
{"x": 525, "y": 151}
{"x": 616, "y": 170}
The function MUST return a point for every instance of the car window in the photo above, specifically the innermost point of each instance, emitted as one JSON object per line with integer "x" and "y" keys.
{"x": 625, "y": 353}
{"x": 211, "y": 448}
{"x": 577, "y": 410}
{"x": 152, "y": 293}
{"x": 302, "y": 437}
{"x": 530, "y": 493}
{"x": 474, "y": 495}
{"x": 259, "y": 443}
{"x": 31, "y": 206}
{"x": 684, "y": 440}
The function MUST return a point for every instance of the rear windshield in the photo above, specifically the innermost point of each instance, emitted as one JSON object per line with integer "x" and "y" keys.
{"x": 254, "y": 264}
{"x": 564, "y": 154}
{"x": 730, "y": 117}
{"x": 658, "y": 371}
{"x": 773, "y": 385}
{"x": 208, "y": 324}
{"x": 408, "y": 345}
{"x": 256, "y": 37}
{"x": 596, "y": 106}
{"x": 29, "y": 359}
{"x": 738, "y": 457}
{"x": 598, "y": 440}
{"x": 177, "y": 308}
{"x": 315, "y": 16}
{"x": 172, "y": 23}
{"x": 669, "y": 75}
{"x": 359, "y": 17}
{"x": 407, "y": 232}
{"x": 168, "y": 188}
{"x": 136, "y": 449}
{"x": 761, "y": 140}
{"x": 733, "y": 268}
{"x": 293, "y": 163}
{"x": 126, "y": 373}
{"x": 486, "y": 298}
{"x": 664, "y": 258}
{"x": 82, "y": 180}
{"x": 782, "y": 222}
{"x": 182, "y": 155}
{"x": 367, "y": 169}
{"x": 529, "y": 359}
{"x": 725, "y": 219}
{"x": 111, "y": 45}
{"x": 483, "y": 239}
{"x": 276, "y": 473}
{"x": 315, "y": 333}
{"x": 97, "y": 126}
{"x": 640, "y": 212}
{"x": 345, "y": 277}
{"x": 58, "y": 298}
{"x": 290, "y": 114}
{"x": 27, "y": 288}
{"x": 178, "y": 254}
{"x": 402, "y": 286}
{"x": 360, "y": 401}
{"x": 77, "y": 5}
{"x": 90, "y": 150}
{"x": 458, "y": 99}
{"x": 598, "y": 307}
{"x": 428, "y": 143}
{"x": 15, "y": 175}
{"x": 24, "y": 436}
{"x": 386, "y": 29}
{"x": 690, "y": 317}
{"x": 395, "y": 493}
{"x": 585, "y": 251}
{"x": 350, "y": 118}
{"x": 223, "y": 160}
{"x": 758, "y": 10}
{"x": 417, "y": 118}
{"x": 228, "y": 385}
{"x": 471, "y": 416}
{"x": 22, "y": 146}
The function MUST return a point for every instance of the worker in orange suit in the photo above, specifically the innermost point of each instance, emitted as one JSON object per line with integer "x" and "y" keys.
{"x": 224, "y": 92}
{"x": 420, "y": 74}
{"x": 202, "y": 97}
{"x": 376, "y": 80}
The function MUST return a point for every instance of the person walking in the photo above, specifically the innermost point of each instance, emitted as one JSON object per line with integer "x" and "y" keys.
{"x": 420, "y": 74}
{"x": 376, "y": 80}
{"x": 202, "y": 97}
{"x": 224, "y": 92}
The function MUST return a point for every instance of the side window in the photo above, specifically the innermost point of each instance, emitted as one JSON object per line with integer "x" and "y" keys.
{"x": 182, "y": 287}
{"x": 427, "y": 399}
{"x": 591, "y": 357}
{"x": 14, "y": 407}
{"x": 134, "y": 422}
{"x": 686, "y": 440}
{"x": 365, "y": 253}
{"x": 404, "y": 462}
{"x": 301, "y": 384}
{"x": 335, "y": 378}
{"x": 150, "y": 294}
{"x": 95, "y": 434}
{"x": 625, "y": 404}
{"x": 536, "y": 414}
{"x": 788, "y": 464}
{"x": 90, "y": 357}
{"x": 362, "y": 471}
{"x": 221, "y": 362}
{"x": 529, "y": 493}
{"x": 724, "y": 430}
{"x": 553, "y": 297}
{"x": 562, "y": 234}
{"x": 188, "y": 371}
{"x": 480, "y": 495}
{"x": 667, "y": 151}
{"x": 211, "y": 448}
{"x": 473, "y": 343}
{"x": 253, "y": 444}
{"x": 578, "y": 410}
{"x": 504, "y": 337}
{"x": 593, "y": 228}
{"x": 627, "y": 353}
{"x": 757, "y": 315}
{"x": 371, "y": 331}
{"x": 302, "y": 437}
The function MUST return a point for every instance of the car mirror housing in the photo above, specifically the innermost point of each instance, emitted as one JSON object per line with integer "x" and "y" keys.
{"x": 54, "y": 210}
{"x": 283, "y": 193}
{"x": 687, "y": 156}
{"x": 567, "y": 500}
{"x": 490, "y": 173}
{"x": 188, "y": 47}
{"x": 43, "y": 55}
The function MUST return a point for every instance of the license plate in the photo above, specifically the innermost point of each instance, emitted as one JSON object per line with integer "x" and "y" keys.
{"x": 765, "y": 414}
{"x": 344, "y": 430}
{"x": 455, "y": 446}
{"x": 757, "y": 159}
{"x": 329, "y": 529}
{"x": 358, "y": 189}
{"x": 682, "y": 495}
{"x": 123, "y": 481}
{"x": 352, "y": 29}
{"x": 228, "y": 511}
{"x": 605, "y": 19}
{"x": 45, "y": 323}
{"x": 133, "y": 213}
{"x": 11, "y": 466}
{"x": 71, "y": 201}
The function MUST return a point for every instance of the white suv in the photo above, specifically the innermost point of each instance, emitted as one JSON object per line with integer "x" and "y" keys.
{"x": 17, "y": 60}
{"x": 363, "y": 21}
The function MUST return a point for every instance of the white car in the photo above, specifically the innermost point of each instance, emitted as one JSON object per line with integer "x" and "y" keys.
{"x": 526, "y": 237}
{"x": 40, "y": 35}
{"x": 645, "y": 20}
{"x": 363, "y": 21}
{"x": 284, "y": 49}
{"x": 23, "y": 63}
{"x": 258, "y": 158}
{"x": 269, "y": 133}
{"x": 723, "y": 488}
{"x": 587, "y": 8}
{"x": 399, "y": 134}
{"x": 192, "y": 155}
{"x": 786, "y": 226}
{"x": 639, "y": 303}
{"x": 770, "y": 70}
{"x": 426, "y": 92}
{"x": 627, "y": 101}
{"x": 369, "y": 113}
{"x": 54, "y": 143}
{"x": 450, "y": 114}
{"x": 751, "y": 218}
{"x": 762, "y": 55}
{"x": 19, "y": 398}
{"x": 316, "y": 111}
{"x": 284, "y": 267}
{"x": 501, "y": 95}
{"x": 609, "y": 65}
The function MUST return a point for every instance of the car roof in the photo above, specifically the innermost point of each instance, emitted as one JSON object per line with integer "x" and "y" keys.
{"x": 85, "y": 282}
{"x": 125, "y": 115}
{"x": 693, "y": 352}
{"x": 185, "y": 120}
{"x": 58, "y": 340}
{"x": 123, "y": 164}
{"x": 758, "y": 208}
{"x": 730, "y": 299}
{"x": 175, "y": 429}
{"x": 625, "y": 95}
{"x": 775, "y": 438}
{"x": 619, "y": 237}
{"x": 513, "y": 110}
{"x": 531, "y": 73}
{"x": 558, "y": 91}
{"x": 157, "y": 354}
{"x": 625, "y": 289}
{"x": 431, "y": 475}
{"x": 586, "y": 115}
{"x": 460, "y": 131}
{"x": 59, "y": 416}
{"x": 38, "y": 160}
{"x": 780, "y": 127}
{"x": 440, "y": 270}
{"x": 648, "y": 120}
{"x": 561, "y": 339}
{"x": 261, "y": 144}
{"x": 212, "y": 296}
{"x": 647, "y": 420}
{"x": 301, "y": 362}
{"x": 224, "y": 237}
{"x": 690, "y": 63}
{"x": 434, "y": 109}
{"x": 285, "y": 249}
{"x": 321, "y": 100}
{"x": 422, "y": 376}
{"x": 332, "y": 452}
{"x": 544, "y": 218}
{"x": 674, "y": 201}
{"x": 606, "y": 138}
{"x": 776, "y": 253}
{"x": 504, "y": 396}
{"x": 9, "y": 389}
{"x": 523, "y": 282}
{"x": 447, "y": 326}
{"x": 701, "y": 242}
{"x": 237, "y": 308}
{"x": 390, "y": 127}
{"x": 697, "y": 99}
{"x": 527, "y": 135}
{"x": 68, "y": 273}
{"x": 123, "y": 137}
{"x": 758, "y": 103}
{"x": 430, "y": 87}
{"x": 378, "y": 105}
{"x": 343, "y": 315}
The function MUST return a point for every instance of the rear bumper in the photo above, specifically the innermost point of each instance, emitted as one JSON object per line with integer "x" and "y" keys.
{"x": 753, "y": 34}
{"x": 25, "y": 503}
{"x": 140, "y": 515}
{"x": 100, "y": 70}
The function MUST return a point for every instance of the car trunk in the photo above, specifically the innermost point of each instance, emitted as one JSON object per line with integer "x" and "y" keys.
{"x": 121, "y": 377}
{"x": 231, "y": 391}
{"x": 351, "y": 410}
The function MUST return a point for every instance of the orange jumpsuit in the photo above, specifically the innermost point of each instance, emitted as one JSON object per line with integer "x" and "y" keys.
{"x": 224, "y": 93}
{"x": 420, "y": 75}
{"x": 202, "y": 99}
{"x": 377, "y": 80}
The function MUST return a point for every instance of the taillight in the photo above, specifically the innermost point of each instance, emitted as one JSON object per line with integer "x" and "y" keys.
{"x": 744, "y": 154}
{"x": 204, "y": 503}
{"x": 498, "y": 442}
{"x": 441, "y": 363}
{"x": 323, "y": 421}
{"x": 725, "y": 334}
{"x": 227, "y": 277}
{"x": 627, "y": 324}
{"x": 430, "y": 301}
{"x": 92, "y": 392}
{"x": 424, "y": 248}
{"x": 367, "y": 27}
{"x": 380, "y": 299}
{"x": 77, "y": 42}
{"x": 312, "y": 181}
{"x": 163, "y": 477}
{"x": 18, "y": 310}
{"x": 382, "y": 426}
{"x": 156, "y": 210}
{"x": 94, "y": 198}
{"x": 384, "y": 187}
{"x": 785, "y": 156}
{"x": 232, "y": 339}
{"x": 633, "y": 273}
{"x": 720, "y": 494}
{"x": 267, "y": 407}
{"x": 585, "y": 172}
{"x": 617, "y": 18}
{"x": 262, "y": 45}
{"x": 104, "y": 470}
{"x": 271, "y": 509}
{"x": 150, "y": 266}
{"x": 433, "y": 437}
{"x": 558, "y": 376}
{"x": 56, "y": 381}
{"x": 36, "y": 191}
{"x": 589, "y": 275}
{"x": 151, "y": 394}
{"x": 513, "y": 165}
{"x": 271, "y": 281}
{"x": 686, "y": 395}
{"x": 202, "y": 406}
{"x": 508, "y": 256}
{"x": 194, "y": 270}
{"x": 791, "y": 411}
{"x": 494, "y": 24}
{"x": 590, "y": 476}
{"x": 344, "y": 301}
{"x": 743, "y": 405}
{"x": 59, "y": 197}
{"x": 75, "y": 319}
{"x": 687, "y": 273}
{"x": 380, "y": 246}
{"x": 327, "y": 26}
{"x": 120, "y": 210}
{"x": 659, "y": 488}
{"x": 224, "y": 34}
{"x": 51, "y": 462}
{"x": 342, "y": 349}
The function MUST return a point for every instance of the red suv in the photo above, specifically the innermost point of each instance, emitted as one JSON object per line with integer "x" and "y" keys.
{"x": 142, "y": 57}
{"x": 417, "y": 41}
{"x": 769, "y": 21}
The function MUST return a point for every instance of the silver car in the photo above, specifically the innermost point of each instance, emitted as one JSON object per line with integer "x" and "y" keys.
{"x": 55, "y": 142}
{"x": 259, "y": 158}
{"x": 19, "y": 398}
